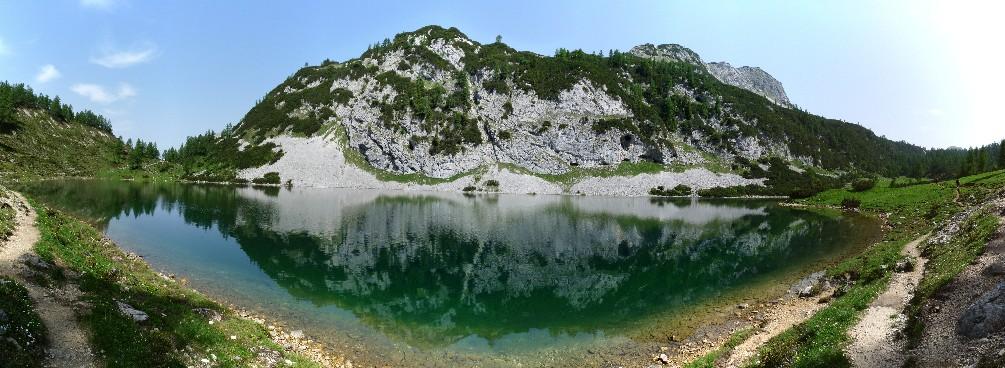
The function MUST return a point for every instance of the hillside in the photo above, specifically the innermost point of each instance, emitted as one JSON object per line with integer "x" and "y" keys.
{"x": 43, "y": 137}
{"x": 433, "y": 107}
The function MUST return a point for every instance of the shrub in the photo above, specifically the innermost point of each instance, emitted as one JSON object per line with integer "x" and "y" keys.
{"x": 862, "y": 184}
{"x": 680, "y": 190}
{"x": 492, "y": 183}
{"x": 469, "y": 188}
{"x": 851, "y": 203}
{"x": 268, "y": 178}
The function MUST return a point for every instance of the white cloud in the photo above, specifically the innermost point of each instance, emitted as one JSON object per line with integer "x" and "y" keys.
{"x": 3, "y": 48}
{"x": 98, "y": 93}
{"x": 47, "y": 73}
{"x": 121, "y": 59}
{"x": 97, "y": 4}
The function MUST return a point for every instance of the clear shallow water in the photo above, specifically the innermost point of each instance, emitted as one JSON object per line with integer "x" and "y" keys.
{"x": 426, "y": 278}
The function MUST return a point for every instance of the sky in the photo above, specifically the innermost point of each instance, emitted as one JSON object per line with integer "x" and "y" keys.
{"x": 923, "y": 71}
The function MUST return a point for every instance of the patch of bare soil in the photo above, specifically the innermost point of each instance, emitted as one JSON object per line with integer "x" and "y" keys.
{"x": 68, "y": 345}
{"x": 777, "y": 317}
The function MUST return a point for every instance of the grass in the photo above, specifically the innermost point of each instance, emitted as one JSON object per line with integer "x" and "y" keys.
{"x": 708, "y": 360}
{"x": 160, "y": 171}
{"x": 912, "y": 211}
{"x": 22, "y": 334}
{"x": 174, "y": 335}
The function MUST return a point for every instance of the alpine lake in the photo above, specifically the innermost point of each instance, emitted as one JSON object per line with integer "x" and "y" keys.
{"x": 446, "y": 279}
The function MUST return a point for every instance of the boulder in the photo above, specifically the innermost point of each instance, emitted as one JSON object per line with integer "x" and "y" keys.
{"x": 136, "y": 314}
{"x": 267, "y": 357}
{"x": 809, "y": 286}
{"x": 985, "y": 316}
{"x": 994, "y": 269}
{"x": 903, "y": 266}
{"x": 209, "y": 314}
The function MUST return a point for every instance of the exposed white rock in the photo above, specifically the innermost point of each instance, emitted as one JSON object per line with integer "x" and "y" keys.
{"x": 697, "y": 179}
{"x": 320, "y": 162}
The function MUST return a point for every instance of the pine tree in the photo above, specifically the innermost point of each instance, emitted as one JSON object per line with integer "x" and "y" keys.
{"x": 968, "y": 164}
{"x": 982, "y": 160}
{"x": 1001, "y": 154}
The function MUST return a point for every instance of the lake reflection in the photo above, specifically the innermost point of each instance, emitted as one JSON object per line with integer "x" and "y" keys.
{"x": 446, "y": 271}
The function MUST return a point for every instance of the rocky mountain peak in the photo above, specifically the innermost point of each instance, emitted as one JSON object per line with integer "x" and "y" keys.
{"x": 753, "y": 79}
{"x": 667, "y": 52}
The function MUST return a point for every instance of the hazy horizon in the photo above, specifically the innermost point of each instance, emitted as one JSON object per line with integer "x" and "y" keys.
{"x": 908, "y": 70}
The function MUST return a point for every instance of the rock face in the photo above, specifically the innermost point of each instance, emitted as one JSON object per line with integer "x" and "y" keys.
{"x": 985, "y": 316}
{"x": 753, "y": 79}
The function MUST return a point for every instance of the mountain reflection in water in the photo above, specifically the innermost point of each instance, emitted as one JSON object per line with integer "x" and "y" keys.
{"x": 442, "y": 269}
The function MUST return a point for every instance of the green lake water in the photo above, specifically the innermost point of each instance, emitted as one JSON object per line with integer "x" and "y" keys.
{"x": 443, "y": 279}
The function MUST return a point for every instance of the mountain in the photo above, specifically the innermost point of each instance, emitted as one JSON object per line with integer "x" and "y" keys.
{"x": 749, "y": 78}
{"x": 40, "y": 136}
{"x": 433, "y": 109}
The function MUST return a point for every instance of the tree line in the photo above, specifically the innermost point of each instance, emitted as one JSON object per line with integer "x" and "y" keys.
{"x": 21, "y": 96}
{"x": 141, "y": 151}
{"x": 981, "y": 159}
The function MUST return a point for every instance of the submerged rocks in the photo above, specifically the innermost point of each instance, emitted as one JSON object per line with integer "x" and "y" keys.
{"x": 985, "y": 316}
{"x": 128, "y": 310}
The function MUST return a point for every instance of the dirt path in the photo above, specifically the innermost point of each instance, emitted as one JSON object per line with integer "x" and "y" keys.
{"x": 874, "y": 338}
{"x": 68, "y": 345}
{"x": 780, "y": 317}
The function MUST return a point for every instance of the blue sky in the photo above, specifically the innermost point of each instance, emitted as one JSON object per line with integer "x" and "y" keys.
{"x": 923, "y": 71}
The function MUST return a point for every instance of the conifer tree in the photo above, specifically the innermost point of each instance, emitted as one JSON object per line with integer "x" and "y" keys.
{"x": 1001, "y": 154}
{"x": 982, "y": 160}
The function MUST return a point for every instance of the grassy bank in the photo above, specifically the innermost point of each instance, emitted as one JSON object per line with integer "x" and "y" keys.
{"x": 22, "y": 334}
{"x": 910, "y": 213}
{"x": 709, "y": 360}
{"x": 174, "y": 335}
